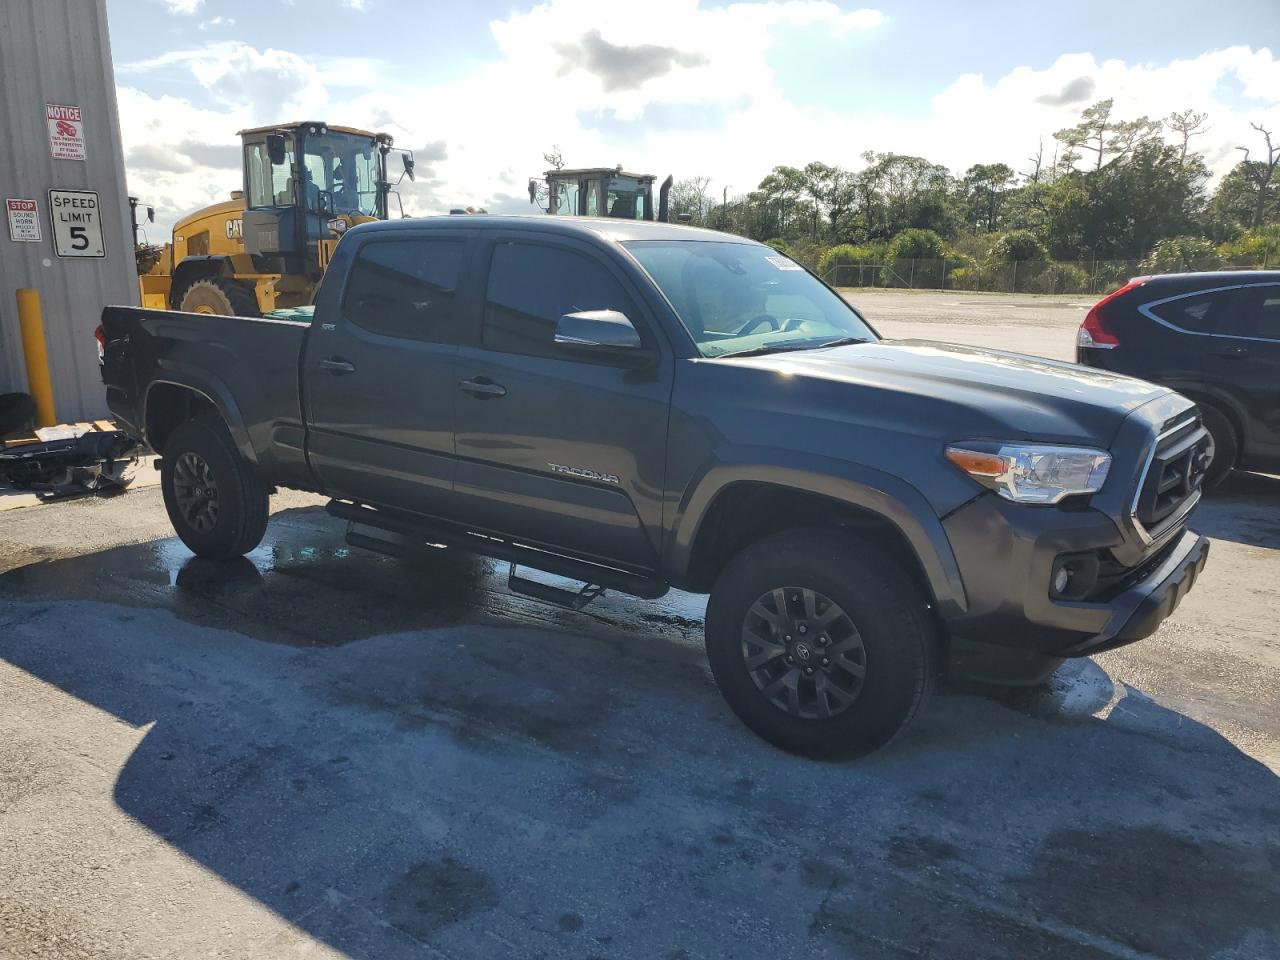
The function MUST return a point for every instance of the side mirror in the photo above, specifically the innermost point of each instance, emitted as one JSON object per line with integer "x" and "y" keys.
{"x": 607, "y": 334}
{"x": 275, "y": 148}
{"x": 407, "y": 160}
{"x": 151, "y": 214}
{"x": 533, "y": 191}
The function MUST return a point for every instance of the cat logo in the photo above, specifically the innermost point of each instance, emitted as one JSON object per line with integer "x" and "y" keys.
{"x": 235, "y": 229}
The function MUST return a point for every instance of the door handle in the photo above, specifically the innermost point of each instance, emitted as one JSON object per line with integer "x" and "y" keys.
{"x": 482, "y": 387}
{"x": 337, "y": 366}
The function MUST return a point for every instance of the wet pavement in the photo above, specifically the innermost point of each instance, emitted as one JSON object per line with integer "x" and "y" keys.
{"x": 320, "y": 751}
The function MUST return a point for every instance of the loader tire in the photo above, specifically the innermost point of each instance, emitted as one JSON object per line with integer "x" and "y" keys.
{"x": 221, "y": 296}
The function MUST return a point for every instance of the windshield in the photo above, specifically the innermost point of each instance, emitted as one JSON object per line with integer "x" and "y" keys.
{"x": 736, "y": 297}
{"x": 341, "y": 172}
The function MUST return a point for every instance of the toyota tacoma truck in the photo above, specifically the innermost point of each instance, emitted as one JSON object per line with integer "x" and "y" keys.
{"x": 639, "y": 406}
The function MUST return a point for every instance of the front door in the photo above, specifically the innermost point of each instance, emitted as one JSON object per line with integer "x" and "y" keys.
{"x": 556, "y": 450}
{"x": 378, "y": 371}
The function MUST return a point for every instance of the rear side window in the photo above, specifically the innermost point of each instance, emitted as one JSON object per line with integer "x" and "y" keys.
{"x": 404, "y": 288}
{"x": 1197, "y": 312}
{"x": 532, "y": 286}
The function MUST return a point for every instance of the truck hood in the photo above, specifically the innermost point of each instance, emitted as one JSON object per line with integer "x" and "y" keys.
{"x": 976, "y": 393}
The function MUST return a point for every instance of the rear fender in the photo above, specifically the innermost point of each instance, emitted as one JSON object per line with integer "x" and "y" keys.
{"x": 213, "y": 390}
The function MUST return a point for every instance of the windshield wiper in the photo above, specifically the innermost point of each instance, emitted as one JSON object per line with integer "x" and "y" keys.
{"x": 790, "y": 348}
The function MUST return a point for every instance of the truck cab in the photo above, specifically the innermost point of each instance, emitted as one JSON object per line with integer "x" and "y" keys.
{"x": 602, "y": 192}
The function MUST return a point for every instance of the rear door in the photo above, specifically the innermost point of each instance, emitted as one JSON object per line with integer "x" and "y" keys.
{"x": 1246, "y": 353}
{"x": 554, "y": 449}
{"x": 378, "y": 370}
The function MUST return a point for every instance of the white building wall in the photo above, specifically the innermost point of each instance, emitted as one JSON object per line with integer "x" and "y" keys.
{"x": 58, "y": 51}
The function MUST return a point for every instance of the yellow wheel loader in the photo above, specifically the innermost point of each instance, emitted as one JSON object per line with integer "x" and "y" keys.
{"x": 305, "y": 184}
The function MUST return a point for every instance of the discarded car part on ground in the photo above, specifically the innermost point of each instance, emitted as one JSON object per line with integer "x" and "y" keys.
{"x": 94, "y": 461}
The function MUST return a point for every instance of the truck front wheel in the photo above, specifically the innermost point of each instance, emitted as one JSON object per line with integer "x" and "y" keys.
{"x": 216, "y": 501}
{"x": 821, "y": 646}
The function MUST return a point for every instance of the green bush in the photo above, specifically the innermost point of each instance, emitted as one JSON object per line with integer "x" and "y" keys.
{"x": 963, "y": 278}
{"x": 1061, "y": 278}
{"x": 780, "y": 244}
{"x": 1259, "y": 247}
{"x": 916, "y": 243}
{"x": 844, "y": 265}
{"x": 1181, "y": 255}
{"x": 1017, "y": 246}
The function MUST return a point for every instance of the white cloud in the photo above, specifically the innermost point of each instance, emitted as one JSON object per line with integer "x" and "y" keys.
{"x": 217, "y": 22}
{"x": 360, "y": 5}
{"x": 182, "y": 6}
{"x": 703, "y": 100}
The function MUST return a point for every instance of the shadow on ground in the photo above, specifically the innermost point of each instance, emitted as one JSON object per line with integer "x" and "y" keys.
{"x": 384, "y": 774}
{"x": 1245, "y": 508}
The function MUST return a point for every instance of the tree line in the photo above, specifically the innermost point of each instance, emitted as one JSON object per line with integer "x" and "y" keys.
{"x": 1109, "y": 189}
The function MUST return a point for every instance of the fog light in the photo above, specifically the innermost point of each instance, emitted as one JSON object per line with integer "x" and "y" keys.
{"x": 1061, "y": 579}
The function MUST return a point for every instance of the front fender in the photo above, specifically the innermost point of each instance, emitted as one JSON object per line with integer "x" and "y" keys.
{"x": 889, "y": 497}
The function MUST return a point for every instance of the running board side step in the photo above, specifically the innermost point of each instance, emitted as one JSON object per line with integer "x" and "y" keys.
{"x": 545, "y": 592}
{"x": 406, "y": 530}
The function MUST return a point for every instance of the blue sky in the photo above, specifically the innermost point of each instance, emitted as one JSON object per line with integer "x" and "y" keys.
{"x": 722, "y": 90}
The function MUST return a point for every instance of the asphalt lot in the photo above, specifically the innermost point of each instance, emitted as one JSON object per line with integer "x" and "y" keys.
{"x": 322, "y": 752}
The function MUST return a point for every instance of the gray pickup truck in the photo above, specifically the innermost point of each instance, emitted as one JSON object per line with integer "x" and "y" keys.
{"x": 641, "y": 406}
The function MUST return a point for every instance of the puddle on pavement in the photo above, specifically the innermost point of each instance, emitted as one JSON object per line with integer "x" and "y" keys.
{"x": 305, "y": 586}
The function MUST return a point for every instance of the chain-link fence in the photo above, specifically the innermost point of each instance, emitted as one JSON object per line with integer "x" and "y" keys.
{"x": 1093, "y": 277}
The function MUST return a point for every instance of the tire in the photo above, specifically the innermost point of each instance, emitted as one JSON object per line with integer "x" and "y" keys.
{"x": 220, "y": 295}
{"x": 216, "y": 501}
{"x": 884, "y": 629}
{"x": 1226, "y": 445}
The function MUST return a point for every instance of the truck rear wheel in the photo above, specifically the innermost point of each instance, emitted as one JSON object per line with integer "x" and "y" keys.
{"x": 820, "y": 646}
{"x": 222, "y": 296}
{"x": 216, "y": 501}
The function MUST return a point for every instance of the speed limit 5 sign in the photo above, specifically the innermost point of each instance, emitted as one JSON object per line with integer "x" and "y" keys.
{"x": 77, "y": 223}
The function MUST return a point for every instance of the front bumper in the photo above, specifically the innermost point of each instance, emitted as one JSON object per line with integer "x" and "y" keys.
{"x": 1006, "y": 554}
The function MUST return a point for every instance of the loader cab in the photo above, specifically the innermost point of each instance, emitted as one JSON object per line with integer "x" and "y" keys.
{"x": 602, "y": 192}
{"x": 304, "y": 185}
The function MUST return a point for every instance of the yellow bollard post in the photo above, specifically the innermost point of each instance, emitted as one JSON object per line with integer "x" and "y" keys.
{"x": 33, "y": 346}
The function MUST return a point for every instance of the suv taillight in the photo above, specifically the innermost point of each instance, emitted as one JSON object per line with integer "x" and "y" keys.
{"x": 1095, "y": 332}
{"x": 101, "y": 336}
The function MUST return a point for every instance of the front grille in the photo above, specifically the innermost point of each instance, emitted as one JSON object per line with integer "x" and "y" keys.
{"x": 1171, "y": 482}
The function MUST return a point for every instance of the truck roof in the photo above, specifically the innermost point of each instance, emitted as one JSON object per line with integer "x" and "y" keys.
{"x": 596, "y": 228}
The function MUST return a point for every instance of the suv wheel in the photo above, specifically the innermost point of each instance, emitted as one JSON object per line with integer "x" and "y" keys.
{"x": 215, "y": 500}
{"x": 1226, "y": 446}
{"x": 820, "y": 646}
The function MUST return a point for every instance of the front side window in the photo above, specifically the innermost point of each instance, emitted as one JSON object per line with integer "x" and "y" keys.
{"x": 564, "y": 197}
{"x": 532, "y": 286}
{"x": 405, "y": 288}
{"x": 270, "y": 184}
{"x": 735, "y": 297}
{"x": 1258, "y": 314}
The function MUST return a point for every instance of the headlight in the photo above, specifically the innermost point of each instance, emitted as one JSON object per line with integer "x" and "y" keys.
{"x": 1033, "y": 472}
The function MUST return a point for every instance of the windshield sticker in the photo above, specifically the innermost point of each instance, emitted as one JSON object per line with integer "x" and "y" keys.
{"x": 782, "y": 263}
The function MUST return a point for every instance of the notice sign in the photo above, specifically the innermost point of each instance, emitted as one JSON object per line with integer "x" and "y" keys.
{"x": 77, "y": 223}
{"x": 66, "y": 131}
{"x": 24, "y": 219}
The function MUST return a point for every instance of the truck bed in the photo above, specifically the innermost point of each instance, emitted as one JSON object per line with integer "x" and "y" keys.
{"x": 247, "y": 367}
